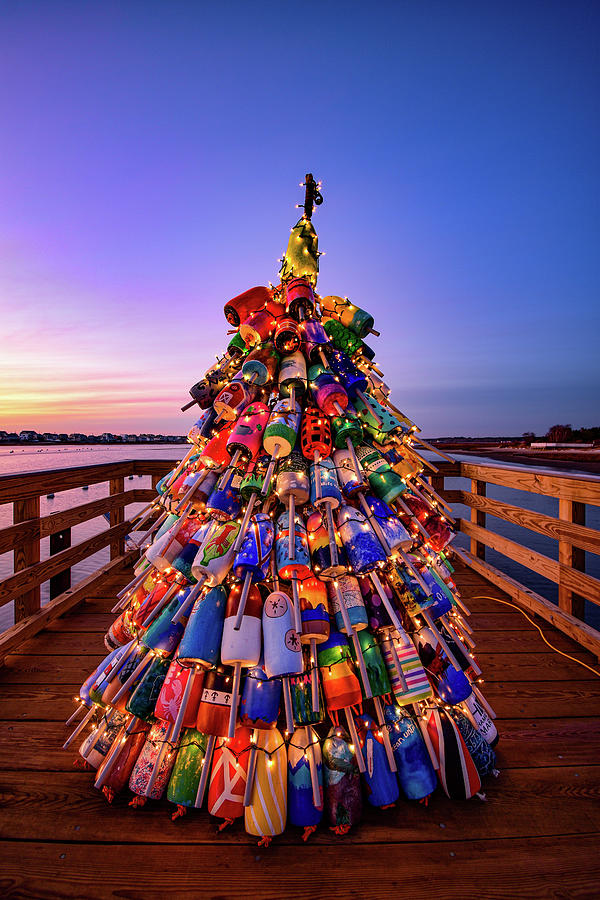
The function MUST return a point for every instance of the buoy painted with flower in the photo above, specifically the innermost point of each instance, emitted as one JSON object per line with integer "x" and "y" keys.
{"x": 152, "y": 769}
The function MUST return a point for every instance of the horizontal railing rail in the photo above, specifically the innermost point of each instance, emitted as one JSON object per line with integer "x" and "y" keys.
{"x": 569, "y": 529}
{"x": 24, "y": 536}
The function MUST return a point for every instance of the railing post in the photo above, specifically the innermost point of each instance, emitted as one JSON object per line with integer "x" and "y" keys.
{"x": 27, "y": 554}
{"x": 573, "y": 557}
{"x": 478, "y": 518}
{"x": 155, "y": 480}
{"x": 117, "y": 547}
{"x": 438, "y": 483}
{"x": 61, "y": 582}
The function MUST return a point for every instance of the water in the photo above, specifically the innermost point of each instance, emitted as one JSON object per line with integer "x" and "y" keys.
{"x": 33, "y": 459}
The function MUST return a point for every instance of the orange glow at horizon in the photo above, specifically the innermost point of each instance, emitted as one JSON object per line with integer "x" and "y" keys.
{"x": 78, "y": 366}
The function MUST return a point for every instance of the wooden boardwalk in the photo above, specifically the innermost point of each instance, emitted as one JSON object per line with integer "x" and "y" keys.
{"x": 537, "y": 835}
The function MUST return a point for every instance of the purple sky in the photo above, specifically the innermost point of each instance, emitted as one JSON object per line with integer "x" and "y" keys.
{"x": 151, "y": 154}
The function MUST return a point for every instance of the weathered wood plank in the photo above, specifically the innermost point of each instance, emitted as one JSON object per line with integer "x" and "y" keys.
{"x": 586, "y": 538}
{"x": 548, "y": 742}
{"x": 12, "y": 588}
{"x": 48, "y": 669}
{"x": 117, "y": 517}
{"x": 14, "y": 637}
{"x": 30, "y": 669}
{"x": 586, "y": 585}
{"x": 37, "y": 745}
{"x": 160, "y": 467}
{"x": 62, "y": 643}
{"x": 516, "y": 700}
{"x": 61, "y": 582}
{"x": 92, "y": 623}
{"x": 571, "y": 557}
{"x": 451, "y": 497}
{"x": 520, "y": 803}
{"x": 44, "y": 703}
{"x": 491, "y": 621}
{"x": 542, "y": 699}
{"x": 535, "y": 603}
{"x": 35, "y": 484}
{"x": 528, "y": 667}
{"x": 478, "y": 518}
{"x": 26, "y": 557}
{"x": 526, "y": 639}
{"x": 67, "y": 518}
{"x": 528, "y": 868}
{"x": 581, "y": 488}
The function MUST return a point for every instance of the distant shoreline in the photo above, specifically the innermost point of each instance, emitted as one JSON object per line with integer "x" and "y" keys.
{"x": 88, "y": 443}
{"x": 584, "y": 461}
{"x": 556, "y": 460}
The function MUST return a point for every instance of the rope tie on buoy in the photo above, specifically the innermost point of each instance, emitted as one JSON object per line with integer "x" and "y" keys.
{"x": 225, "y": 823}
{"x": 180, "y": 811}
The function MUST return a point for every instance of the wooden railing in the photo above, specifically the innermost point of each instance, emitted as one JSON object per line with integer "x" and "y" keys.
{"x": 23, "y": 537}
{"x": 574, "y": 493}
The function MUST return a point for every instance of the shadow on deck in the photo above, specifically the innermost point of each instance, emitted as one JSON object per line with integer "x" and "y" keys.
{"x": 536, "y": 835}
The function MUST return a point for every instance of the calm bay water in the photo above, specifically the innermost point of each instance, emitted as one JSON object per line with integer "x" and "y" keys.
{"x": 33, "y": 459}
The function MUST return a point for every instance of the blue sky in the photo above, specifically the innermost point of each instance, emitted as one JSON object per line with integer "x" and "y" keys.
{"x": 152, "y": 152}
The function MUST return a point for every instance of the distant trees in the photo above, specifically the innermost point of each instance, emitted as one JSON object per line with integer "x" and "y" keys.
{"x": 559, "y": 434}
{"x": 566, "y": 434}
{"x": 587, "y": 435}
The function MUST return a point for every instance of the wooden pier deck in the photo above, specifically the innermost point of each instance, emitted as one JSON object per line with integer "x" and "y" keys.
{"x": 536, "y": 835}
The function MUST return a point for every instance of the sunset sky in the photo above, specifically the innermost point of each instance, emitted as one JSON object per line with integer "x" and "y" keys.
{"x": 151, "y": 154}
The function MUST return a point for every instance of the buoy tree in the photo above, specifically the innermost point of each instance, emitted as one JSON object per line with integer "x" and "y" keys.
{"x": 292, "y": 645}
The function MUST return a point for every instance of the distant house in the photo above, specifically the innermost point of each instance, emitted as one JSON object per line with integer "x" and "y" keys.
{"x": 51, "y": 437}
{"x": 63, "y": 438}
{"x": 106, "y": 437}
{"x": 77, "y": 437}
{"x": 29, "y": 436}
{"x": 3, "y": 437}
